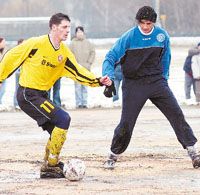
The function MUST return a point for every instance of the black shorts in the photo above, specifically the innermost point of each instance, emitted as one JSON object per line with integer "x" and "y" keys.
{"x": 38, "y": 106}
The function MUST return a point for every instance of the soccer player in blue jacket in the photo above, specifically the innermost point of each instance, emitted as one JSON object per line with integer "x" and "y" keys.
{"x": 144, "y": 55}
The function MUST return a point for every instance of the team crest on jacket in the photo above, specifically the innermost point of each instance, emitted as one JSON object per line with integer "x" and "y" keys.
{"x": 160, "y": 37}
{"x": 60, "y": 58}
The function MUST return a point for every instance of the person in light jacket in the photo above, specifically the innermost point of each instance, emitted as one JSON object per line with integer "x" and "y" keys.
{"x": 84, "y": 52}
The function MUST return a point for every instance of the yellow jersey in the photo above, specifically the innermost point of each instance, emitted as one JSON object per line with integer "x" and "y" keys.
{"x": 42, "y": 65}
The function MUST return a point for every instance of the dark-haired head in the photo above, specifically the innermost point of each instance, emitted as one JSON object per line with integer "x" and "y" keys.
{"x": 146, "y": 13}
{"x": 79, "y": 28}
{"x": 57, "y": 19}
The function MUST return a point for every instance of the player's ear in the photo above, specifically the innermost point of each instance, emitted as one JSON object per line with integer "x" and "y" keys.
{"x": 53, "y": 27}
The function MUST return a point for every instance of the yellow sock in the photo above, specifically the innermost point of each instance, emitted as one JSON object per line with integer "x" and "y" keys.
{"x": 46, "y": 156}
{"x": 57, "y": 140}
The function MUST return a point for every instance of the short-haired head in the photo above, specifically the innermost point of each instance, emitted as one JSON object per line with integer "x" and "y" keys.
{"x": 57, "y": 19}
{"x": 79, "y": 28}
{"x": 146, "y": 13}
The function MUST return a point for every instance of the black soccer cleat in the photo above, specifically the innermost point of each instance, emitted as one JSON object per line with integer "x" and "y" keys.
{"x": 47, "y": 171}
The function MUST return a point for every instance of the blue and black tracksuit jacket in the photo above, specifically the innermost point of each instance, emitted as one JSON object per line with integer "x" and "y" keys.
{"x": 135, "y": 50}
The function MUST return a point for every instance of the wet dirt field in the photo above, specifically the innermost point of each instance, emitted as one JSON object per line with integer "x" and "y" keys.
{"x": 154, "y": 162}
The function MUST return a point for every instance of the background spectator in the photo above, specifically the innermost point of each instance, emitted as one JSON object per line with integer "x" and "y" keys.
{"x": 196, "y": 74}
{"x": 3, "y": 50}
{"x": 84, "y": 52}
{"x": 189, "y": 81}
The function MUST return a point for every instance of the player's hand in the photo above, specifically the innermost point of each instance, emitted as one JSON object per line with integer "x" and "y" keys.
{"x": 109, "y": 91}
{"x": 105, "y": 80}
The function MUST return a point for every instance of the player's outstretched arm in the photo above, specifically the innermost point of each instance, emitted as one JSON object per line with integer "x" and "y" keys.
{"x": 80, "y": 74}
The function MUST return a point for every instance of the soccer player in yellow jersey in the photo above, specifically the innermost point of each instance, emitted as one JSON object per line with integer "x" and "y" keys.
{"x": 43, "y": 60}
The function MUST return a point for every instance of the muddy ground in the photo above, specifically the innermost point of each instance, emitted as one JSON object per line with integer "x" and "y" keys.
{"x": 154, "y": 162}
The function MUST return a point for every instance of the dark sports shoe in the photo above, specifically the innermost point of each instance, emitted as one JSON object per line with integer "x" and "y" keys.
{"x": 110, "y": 163}
{"x": 193, "y": 154}
{"x": 196, "y": 162}
{"x": 47, "y": 171}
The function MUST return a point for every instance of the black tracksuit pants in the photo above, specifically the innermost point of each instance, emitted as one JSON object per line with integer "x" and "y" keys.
{"x": 135, "y": 94}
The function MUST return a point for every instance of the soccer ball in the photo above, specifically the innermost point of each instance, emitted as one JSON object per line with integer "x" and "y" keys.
{"x": 74, "y": 170}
